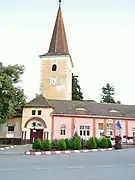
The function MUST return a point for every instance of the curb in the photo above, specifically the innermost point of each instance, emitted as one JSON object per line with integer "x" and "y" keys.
{"x": 66, "y": 152}
{"x": 9, "y": 147}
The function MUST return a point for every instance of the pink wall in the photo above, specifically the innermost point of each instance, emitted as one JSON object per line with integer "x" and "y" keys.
{"x": 97, "y": 121}
{"x": 68, "y": 121}
{"x": 58, "y": 121}
{"x": 94, "y": 131}
{"x": 131, "y": 125}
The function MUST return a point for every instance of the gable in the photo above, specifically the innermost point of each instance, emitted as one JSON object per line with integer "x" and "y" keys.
{"x": 39, "y": 101}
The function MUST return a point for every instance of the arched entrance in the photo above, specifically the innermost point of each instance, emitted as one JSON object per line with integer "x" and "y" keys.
{"x": 35, "y": 129}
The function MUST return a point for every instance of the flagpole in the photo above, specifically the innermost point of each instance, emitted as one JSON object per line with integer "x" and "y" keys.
{"x": 120, "y": 131}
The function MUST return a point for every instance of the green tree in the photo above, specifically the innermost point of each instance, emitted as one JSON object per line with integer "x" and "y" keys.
{"x": 12, "y": 97}
{"x": 107, "y": 94}
{"x": 77, "y": 95}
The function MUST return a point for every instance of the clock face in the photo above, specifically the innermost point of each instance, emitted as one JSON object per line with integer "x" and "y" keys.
{"x": 54, "y": 81}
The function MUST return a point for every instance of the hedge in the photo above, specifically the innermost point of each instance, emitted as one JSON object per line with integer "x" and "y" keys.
{"x": 75, "y": 143}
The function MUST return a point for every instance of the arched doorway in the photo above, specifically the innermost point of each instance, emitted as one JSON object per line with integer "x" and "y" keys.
{"x": 35, "y": 129}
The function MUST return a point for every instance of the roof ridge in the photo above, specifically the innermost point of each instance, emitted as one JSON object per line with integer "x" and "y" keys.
{"x": 46, "y": 100}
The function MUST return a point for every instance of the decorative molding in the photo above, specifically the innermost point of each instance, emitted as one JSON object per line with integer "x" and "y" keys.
{"x": 36, "y": 119}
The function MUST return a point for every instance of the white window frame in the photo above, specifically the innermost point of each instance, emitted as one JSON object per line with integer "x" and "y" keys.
{"x": 63, "y": 130}
{"x": 133, "y": 132}
{"x": 84, "y": 130}
{"x": 12, "y": 127}
{"x": 56, "y": 67}
{"x": 100, "y": 127}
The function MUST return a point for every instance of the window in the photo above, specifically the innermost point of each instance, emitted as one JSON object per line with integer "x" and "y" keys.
{"x": 11, "y": 128}
{"x": 33, "y": 112}
{"x": 100, "y": 126}
{"x": 113, "y": 111}
{"x": 111, "y": 133}
{"x": 109, "y": 126}
{"x": 63, "y": 130}
{"x": 39, "y": 112}
{"x": 81, "y": 109}
{"x": 54, "y": 67}
{"x": 84, "y": 130}
{"x": 133, "y": 131}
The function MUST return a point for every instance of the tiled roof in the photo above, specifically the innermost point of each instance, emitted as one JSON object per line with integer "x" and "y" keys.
{"x": 39, "y": 101}
{"x": 86, "y": 107}
{"x": 58, "y": 44}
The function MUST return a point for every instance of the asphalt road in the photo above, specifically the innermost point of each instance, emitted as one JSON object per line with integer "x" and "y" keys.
{"x": 119, "y": 165}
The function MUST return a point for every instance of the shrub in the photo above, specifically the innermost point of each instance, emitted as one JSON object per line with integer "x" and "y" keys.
{"x": 92, "y": 143}
{"x": 104, "y": 143}
{"x": 109, "y": 143}
{"x": 68, "y": 143}
{"x": 36, "y": 144}
{"x": 61, "y": 144}
{"x": 84, "y": 144}
{"x": 46, "y": 145}
{"x": 53, "y": 143}
{"x": 76, "y": 144}
{"x": 97, "y": 142}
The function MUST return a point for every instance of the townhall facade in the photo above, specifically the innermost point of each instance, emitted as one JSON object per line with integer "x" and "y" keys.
{"x": 53, "y": 115}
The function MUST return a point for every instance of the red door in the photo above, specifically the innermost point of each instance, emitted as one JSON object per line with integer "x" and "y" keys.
{"x": 36, "y": 134}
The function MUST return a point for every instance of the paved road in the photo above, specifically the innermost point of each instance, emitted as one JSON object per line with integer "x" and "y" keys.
{"x": 119, "y": 165}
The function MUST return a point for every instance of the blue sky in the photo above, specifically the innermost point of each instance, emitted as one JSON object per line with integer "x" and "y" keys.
{"x": 101, "y": 38}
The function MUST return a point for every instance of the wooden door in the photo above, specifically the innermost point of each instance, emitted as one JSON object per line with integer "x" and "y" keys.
{"x": 36, "y": 134}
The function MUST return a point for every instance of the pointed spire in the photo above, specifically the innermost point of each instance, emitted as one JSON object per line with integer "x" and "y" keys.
{"x": 59, "y": 3}
{"x": 58, "y": 43}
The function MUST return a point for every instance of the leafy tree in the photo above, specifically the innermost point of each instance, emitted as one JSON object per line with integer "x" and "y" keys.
{"x": 107, "y": 94}
{"x": 12, "y": 97}
{"x": 77, "y": 95}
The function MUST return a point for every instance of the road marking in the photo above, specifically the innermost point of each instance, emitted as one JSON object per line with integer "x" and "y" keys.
{"x": 9, "y": 169}
{"x": 131, "y": 164}
{"x": 75, "y": 167}
{"x": 107, "y": 165}
{"x": 44, "y": 168}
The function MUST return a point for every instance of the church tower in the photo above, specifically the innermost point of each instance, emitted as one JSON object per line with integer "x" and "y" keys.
{"x": 56, "y": 65}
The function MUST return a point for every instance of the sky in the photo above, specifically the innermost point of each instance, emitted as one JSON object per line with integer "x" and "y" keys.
{"x": 101, "y": 40}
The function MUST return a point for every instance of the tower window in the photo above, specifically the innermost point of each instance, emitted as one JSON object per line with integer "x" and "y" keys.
{"x": 54, "y": 67}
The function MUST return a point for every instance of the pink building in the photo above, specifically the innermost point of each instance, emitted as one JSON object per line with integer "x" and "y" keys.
{"x": 61, "y": 118}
